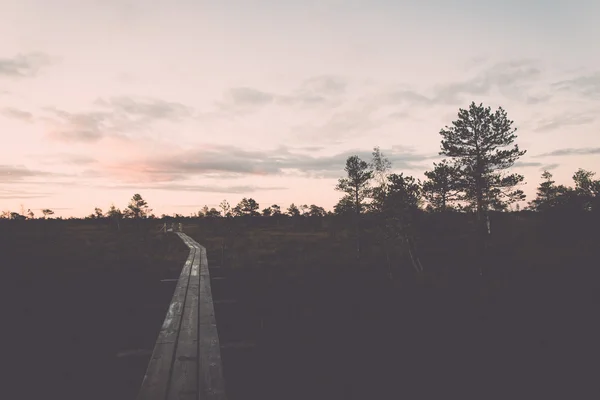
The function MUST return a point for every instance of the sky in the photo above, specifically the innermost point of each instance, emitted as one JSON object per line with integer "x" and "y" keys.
{"x": 191, "y": 102}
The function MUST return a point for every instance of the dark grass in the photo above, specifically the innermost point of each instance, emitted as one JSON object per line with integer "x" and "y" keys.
{"x": 337, "y": 328}
{"x": 75, "y": 296}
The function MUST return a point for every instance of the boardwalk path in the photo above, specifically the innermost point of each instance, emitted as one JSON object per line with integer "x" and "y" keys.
{"x": 186, "y": 361}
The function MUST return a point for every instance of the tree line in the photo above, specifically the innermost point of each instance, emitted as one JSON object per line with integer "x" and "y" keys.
{"x": 473, "y": 178}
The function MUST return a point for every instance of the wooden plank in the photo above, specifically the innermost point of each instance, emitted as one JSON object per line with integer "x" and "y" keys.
{"x": 170, "y": 328}
{"x": 207, "y": 310}
{"x": 184, "y": 377}
{"x": 212, "y": 384}
{"x": 157, "y": 378}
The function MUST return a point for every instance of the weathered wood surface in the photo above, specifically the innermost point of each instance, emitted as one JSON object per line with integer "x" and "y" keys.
{"x": 186, "y": 361}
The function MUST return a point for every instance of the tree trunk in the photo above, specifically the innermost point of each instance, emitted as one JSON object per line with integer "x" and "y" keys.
{"x": 357, "y": 225}
{"x": 389, "y": 262}
{"x": 413, "y": 256}
{"x": 481, "y": 239}
{"x": 481, "y": 228}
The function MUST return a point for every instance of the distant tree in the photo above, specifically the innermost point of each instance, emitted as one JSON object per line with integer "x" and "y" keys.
{"x": 5, "y": 215}
{"x": 30, "y": 214}
{"x": 225, "y": 208}
{"x": 251, "y": 207}
{"x": 547, "y": 194}
{"x": 442, "y": 186}
{"x": 115, "y": 215}
{"x": 293, "y": 210}
{"x": 275, "y": 210}
{"x": 247, "y": 206}
{"x": 316, "y": 211}
{"x": 17, "y": 217}
{"x": 213, "y": 213}
{"x": 98, "y": 213}
{"x": 587, "y": 189}
{"x": 304, "y": 209}
{"x": 47, "y": 212}
{"x": 114, "y": 212}
{"x": 478, "y": 143}
{"x": 404, "y": 193}
{"x": 345, "y": 206}
{"x": 267, "y": 212}
{"x": 400, "y": 204}
{"x": 381, "y": 166}
{"x": 237, "y": 210}
{"x": 356, "y": 185}
{"x": 200, "y": 214}
{"x": 137, "y": 207}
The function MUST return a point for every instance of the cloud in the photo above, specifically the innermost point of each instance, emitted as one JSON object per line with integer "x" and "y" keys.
{"x": 315, "y": 91}
{"x": 24, "y": 65}
{"x": 505, "y": 76}
{"x": 399, "y": 115}
{"x": 217, "y": 161}
{"x": 408, "y": 96}
{"x": 324, "y": 85}
{"x": 571, "y": 152}
{"x": 346, "y": 123}
{"x": 17, "y": 195}
{"x": 324, "y": 90}
{"x": 586, "y": 85}
{"x": 525, "y": 164}
{"x": 549, "y": 167}
{"x": 247, "y": 96}
{"x": 537, "y": 99}
{"x": 199, "y": 188}
{"x": 64, "y": 158}
{"x": 568, "y": 119}
{"x": 11, "y": 174}
{"x": 146, "y": 108}
{"x": 17, "y": 114}
{"x": 119, "y": 117}
{"x": 310, "y": 149}
{"x": 79, "y": 127}
{"x": 510, "y": 77}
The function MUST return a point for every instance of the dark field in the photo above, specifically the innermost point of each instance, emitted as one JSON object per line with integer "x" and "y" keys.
{"x": 77, "y": 294}
{"x": 325, "y": 325}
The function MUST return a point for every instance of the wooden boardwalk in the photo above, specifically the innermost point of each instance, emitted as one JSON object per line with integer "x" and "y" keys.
{"x": 186, "y": 361}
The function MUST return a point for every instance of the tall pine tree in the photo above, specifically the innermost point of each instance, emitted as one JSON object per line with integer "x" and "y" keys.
{"x": 357, "y": 187}
{"x": 441, "y": 188}
{"x": 547, "y": 194}
{"x": 481, "y": 146}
